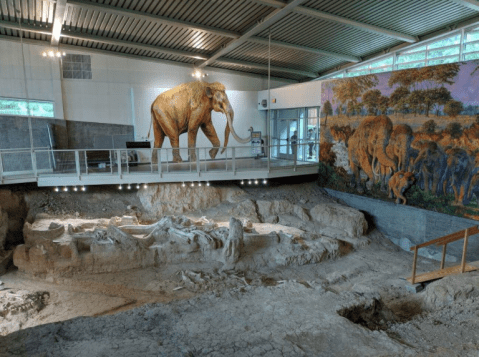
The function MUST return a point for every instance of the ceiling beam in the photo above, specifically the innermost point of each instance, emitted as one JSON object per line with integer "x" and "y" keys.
{"x": 282, "y": 44}
{"x": 25, "y": 27}
{"x": 116, "y": 42}
{"x": 345, "y": 21}
{"x": 471, "y": 4}
{"x": 86, "y": 5}
{"x": 58, "y": 19}
{"x": 265, "y": 67}
{"x": 275, "y": 16}
{"x": 80, "y": 4}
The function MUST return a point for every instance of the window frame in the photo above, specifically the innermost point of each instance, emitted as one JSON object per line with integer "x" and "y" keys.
{"x": 28, "y": 102}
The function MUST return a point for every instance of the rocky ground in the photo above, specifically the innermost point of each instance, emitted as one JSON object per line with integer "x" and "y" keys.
{"x": 353, "y": 304}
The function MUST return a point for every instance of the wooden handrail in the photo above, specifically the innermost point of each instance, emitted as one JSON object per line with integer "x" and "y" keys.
{"x": 448, "y": 239}
{"x": 464, "y": 234}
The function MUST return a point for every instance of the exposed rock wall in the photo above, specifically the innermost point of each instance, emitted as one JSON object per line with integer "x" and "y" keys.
{"x": 163, "y": 199}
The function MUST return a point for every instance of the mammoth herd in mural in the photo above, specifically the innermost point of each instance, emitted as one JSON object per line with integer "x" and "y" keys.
{"x": 395, "y": 156}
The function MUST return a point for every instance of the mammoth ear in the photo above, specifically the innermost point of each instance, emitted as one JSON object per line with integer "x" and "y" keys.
{"x": 209, "y": 92}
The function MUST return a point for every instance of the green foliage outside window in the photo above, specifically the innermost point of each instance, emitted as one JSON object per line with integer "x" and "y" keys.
{"x": 21, "y": 107}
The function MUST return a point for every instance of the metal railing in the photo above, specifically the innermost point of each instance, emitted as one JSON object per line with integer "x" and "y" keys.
{"x": 164, "y": 161}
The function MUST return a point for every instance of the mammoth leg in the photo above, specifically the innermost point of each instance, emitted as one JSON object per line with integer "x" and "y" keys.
{"x": 367, "y": 168}
{"x": 210, "y": 132}
{"x": 192, "y": 133}
{"x": 159, "y": 139}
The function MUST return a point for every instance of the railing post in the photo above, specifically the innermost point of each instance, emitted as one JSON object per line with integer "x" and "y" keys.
{"x": 151, "y": 160}
{"x": 34, "y": 163}
{"x": 118, "y": 159}
{"x": 158, "y": 160}
{"x": 443, "y": 259}
{"x": 226, "y": 159}
{"x": 167, "y": 162}
{"x": 198, "y": 169}
{"x": 111, "y": 162}
{"x": 77, "y": 163}
{"x": 269, "y": 159}
{"x": 206, "y": 162}
{"x": 413, "y": 277}
{"x": 127, "y": 163}
{"x": 86, "y": 162}
{"x": 233, "y": 157}
{"x": 464, "y": 251}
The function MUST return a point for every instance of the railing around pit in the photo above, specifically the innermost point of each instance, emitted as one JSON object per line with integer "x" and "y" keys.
{"x": 46, "y": 162}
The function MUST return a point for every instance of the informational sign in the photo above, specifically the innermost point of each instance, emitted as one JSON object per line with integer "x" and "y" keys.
{"x": 256, "y": 143}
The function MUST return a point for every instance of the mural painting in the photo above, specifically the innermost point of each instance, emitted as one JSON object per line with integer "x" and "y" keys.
{"x": 409, "y": 136}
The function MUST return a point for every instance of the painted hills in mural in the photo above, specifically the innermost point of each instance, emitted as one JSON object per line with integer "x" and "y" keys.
{"x": 410, "y": 135}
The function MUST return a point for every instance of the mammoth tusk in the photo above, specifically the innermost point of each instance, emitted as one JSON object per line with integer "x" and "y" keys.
{"x": 237, "y": 138}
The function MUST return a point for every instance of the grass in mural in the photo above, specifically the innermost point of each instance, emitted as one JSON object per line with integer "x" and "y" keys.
{"x": 337, "y": 179}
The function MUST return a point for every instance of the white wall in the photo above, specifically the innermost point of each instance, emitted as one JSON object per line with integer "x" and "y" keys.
{"x": 293, "y": 96}
{"x": 122, "y": 89}
{"x": 43, "y": 75}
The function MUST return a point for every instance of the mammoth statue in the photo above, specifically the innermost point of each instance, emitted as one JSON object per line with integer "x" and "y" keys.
{"x": 368, "y": 144}
{"x": 187, "y": 108}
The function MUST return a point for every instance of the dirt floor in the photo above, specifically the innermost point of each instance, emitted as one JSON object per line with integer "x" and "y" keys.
{"x": 354, "y": 305}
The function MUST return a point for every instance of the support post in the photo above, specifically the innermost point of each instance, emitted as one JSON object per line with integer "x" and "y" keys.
{"x": 86, "y": 162}
{"x": 77, "y": 163}
{"x": 111, "y": 162}
{"x": 443, "y": 259}
{"x": 233, "y": 163}
{"x": 464, "y": 251}
{"x": 413, "y": 276}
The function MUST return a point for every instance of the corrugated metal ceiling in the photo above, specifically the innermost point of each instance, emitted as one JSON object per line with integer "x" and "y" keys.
{"x": 203, "y": 27}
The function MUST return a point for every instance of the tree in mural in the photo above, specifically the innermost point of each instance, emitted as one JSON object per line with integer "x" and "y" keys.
{"x": 327, "y": 110}
{"x": 349, "y": 90}
{"x": 398, "y": 99}
{"x": 422, "y": 83}
{"x": 453, "y": 108}
{"x": 383, "y": 104}
{"x": 429, "y": 126}
{"x": 370, "y": 99}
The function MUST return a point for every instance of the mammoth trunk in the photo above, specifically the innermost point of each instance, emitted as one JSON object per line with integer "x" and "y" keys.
{"x": 385, "y": 160}
{"x": 229, "y": 128}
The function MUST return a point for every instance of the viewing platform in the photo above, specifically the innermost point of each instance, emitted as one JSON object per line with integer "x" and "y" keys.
{"x": 65, "y": 168}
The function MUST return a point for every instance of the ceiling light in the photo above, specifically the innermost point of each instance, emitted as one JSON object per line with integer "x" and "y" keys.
{"x": 83, "y": 188}
{"x": 120, "y": 187}
{"x": 199, "y": 183}
{"x": 138, "y": 186}
{"x": 249, "y": 182}
{"x": 65, "y": 189}
{"x": 183, "y": 184}
{"x": 264, "y": 181}
{"x": 56, "y": 189}
{"x": 207, "y": 184}
{"x": 145, "y": 186}
{"x": 75, "y": 189}
{"x": 192, "y": 184}
{"x": 44, "y": 54}
{"x": 242, "y": 182}
{"x": 255, "y": 182}
{"x": 129, "y": 187}
{"x": 51, "y": 53}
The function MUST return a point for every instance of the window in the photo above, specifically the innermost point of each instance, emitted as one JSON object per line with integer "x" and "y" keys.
{"x": 462, "y": 45}
{"x": 77, "y": 66}
{"x": 34, "y": 108}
